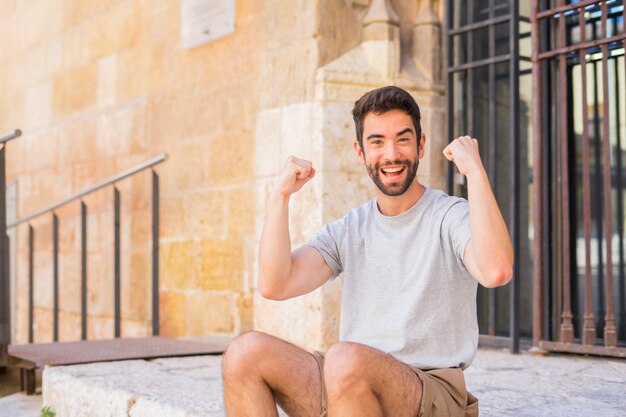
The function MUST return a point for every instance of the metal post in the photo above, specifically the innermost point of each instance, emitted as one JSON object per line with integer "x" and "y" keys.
{"x": 116, "y": 260}
{"x": 155, "y": 253}
{"x": 514, "y": 290}
{"x": 5, "y": 279}
{"x": 567, "y": 329}
{"x": 31, "y": 282}
{"x": 610, "y": 331}
{"x": 55, "y": 273}
{"x": 83, "y": 270}
{"x": 538, "y": 265}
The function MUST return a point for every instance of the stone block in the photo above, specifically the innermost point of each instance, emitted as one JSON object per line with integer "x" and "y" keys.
{"x": 240, "y": 206}
{"x": 206, "y": 214}
{"x": 209, "y": 313}
{"x": 298, "y": 320}
{"x": 43, "y": 325}
{"x": 100, "y": 327}
{"x": 186, "y": 168}
{"x": 172, "y": 222}
{"x": 69, "y": 326}
{"x": 107, "y": 81}
{"x": 245, "y": 313}
{"x": 77, "y": 12}
{"x": 222, "y": 264}
{"x": 230, "y": 160}
{"x": 137, "y": 288}
{"x": 118, "y": 128}
{"x": 74, "y": 91}
{"x": 37, "y": 105}
{"x": 117, "y": 28}
{"x": 100, "y": 284}
{"x": 180, "y": 263}
{"x": 173, "y": 313}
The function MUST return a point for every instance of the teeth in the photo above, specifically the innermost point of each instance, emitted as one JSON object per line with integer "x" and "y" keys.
{"x": 392, "y": 169}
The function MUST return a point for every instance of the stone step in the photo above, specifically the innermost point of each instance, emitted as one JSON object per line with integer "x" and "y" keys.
{"x": 506, "y": 385}
{"x": 174, "y": 387}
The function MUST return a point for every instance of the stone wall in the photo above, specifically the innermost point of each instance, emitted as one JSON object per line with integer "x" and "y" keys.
{"x": 100, "y": 86}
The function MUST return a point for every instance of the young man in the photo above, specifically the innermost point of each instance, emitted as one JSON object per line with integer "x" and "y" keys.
{"x": 411, "y": 260}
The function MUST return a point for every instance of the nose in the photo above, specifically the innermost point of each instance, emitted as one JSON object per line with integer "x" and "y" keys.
{"x": 392, "y": 152}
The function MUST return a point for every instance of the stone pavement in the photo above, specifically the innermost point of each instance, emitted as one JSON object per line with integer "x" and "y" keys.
{"x": 507, "y": 385}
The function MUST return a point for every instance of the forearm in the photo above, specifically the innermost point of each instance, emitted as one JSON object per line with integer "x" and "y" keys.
{"x": 275, "y": 247}
{"x": 491, "y": 244}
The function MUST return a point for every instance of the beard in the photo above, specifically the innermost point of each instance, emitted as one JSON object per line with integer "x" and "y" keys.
{"x": 394, "y": 188}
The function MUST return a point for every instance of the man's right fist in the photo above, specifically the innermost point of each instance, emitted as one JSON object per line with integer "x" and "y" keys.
{"x": 294, "y": 174}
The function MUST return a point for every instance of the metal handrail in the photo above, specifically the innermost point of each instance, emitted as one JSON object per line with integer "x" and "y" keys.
{"x": 116, "y": 178}
{"x": 10, "y": 136}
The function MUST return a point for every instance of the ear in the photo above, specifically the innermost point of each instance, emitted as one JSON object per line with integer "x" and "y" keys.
{"x": 359, "y": 152}
{"x": 421, "y": 145}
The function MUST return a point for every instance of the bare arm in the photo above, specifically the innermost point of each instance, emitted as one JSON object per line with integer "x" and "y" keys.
{"x": 489, "y": 254}
{"x": 283, "y": 274}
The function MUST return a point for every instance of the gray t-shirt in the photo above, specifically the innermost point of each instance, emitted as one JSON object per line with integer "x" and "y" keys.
{"x": 406, "y": 290}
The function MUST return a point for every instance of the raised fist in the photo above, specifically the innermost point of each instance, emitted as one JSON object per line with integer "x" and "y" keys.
{"x": 295, "y": 173}
{"x": 463, "y": 151}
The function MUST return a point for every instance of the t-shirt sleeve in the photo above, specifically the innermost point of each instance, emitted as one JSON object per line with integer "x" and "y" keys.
{"x": 327, "y": 241}
{"x": 455, "y": 227}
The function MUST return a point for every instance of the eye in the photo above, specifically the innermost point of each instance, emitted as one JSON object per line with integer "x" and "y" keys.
{"x": 376, "y": 142}
{"x": 404, "y": 139}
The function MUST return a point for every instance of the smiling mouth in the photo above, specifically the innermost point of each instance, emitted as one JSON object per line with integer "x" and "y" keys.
{"x": 392, "y": 172}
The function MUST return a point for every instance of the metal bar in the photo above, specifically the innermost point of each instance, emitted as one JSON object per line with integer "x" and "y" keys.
{"x": 514, "y": 181}
{"x": 491, "y": 166}
{"x": 565, "y": 8}
{"x": 450, "y": 89}
{"x": 620, "y": 202}
{"x": 589, "y": 331}
{"x": 83, "y": 270}
{"x": 610, "y": 332}
{"x": 470, "y": 72}
{"x": 567, "y": 328}
{"x": 5, "y": 279}
{"x": 55, "y": 277}
{"x": 31, "y": 282}
{"x": 116, "y": 178}
{"x": 482, "y": 24}
{"x": 116, "y": 261}
{"x": 538, "y": 253}
{"x": 155, "y": 253}
{"x": 585, "y": 45}
{"x": 10, "y": 136}
{"x": 480, "y": 63}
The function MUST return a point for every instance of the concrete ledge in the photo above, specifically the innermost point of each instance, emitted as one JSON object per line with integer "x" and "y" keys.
{"x": 506, "y": 385}
{"x": 176, "y": 387}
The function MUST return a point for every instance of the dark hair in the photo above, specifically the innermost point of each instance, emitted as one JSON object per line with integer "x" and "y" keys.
{"x": 382, "y": 100}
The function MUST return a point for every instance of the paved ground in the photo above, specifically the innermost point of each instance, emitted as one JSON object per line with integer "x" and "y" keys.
{"x": 507, "y": 385}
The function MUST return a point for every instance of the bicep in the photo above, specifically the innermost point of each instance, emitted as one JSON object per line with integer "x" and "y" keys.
{"x": 309, "y": 271}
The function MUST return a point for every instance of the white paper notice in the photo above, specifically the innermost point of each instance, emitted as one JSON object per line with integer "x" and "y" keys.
{"x": 206, "y": 20}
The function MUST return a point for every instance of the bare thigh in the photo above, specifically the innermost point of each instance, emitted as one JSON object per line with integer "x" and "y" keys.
{"x": 291, "y": 373}
{"x": 395, "y": 385}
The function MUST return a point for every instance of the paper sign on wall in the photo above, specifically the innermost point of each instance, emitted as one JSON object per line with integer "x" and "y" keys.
{"x": 206, "y": 20}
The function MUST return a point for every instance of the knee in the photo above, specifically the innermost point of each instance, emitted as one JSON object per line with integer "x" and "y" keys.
{"x": 345, "y": 368}
{"x": 243, "y": 352}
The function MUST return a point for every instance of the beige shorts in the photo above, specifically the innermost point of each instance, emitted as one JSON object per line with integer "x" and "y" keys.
{"x": 443, "y": 392}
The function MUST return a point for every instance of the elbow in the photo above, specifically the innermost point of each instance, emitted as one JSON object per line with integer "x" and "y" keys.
{"x": 498, "y": 276}
{"x": 269, "y": 292}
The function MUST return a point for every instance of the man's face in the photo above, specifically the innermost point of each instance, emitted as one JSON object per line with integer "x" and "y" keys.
{"x": 390, "y": 151}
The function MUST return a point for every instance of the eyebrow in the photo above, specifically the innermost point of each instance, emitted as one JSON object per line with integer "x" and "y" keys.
{"x": 402, "y": 132}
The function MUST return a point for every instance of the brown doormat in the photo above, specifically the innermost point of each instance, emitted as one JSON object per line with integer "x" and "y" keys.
{"x": 73, "y": 353}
